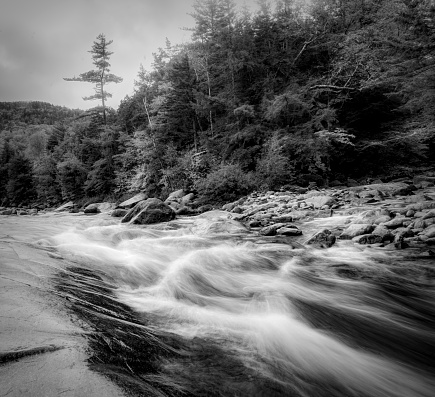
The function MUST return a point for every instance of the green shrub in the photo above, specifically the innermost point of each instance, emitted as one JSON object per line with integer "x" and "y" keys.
{"x": 225, "y": 184}
{"x": 273, "y": 168}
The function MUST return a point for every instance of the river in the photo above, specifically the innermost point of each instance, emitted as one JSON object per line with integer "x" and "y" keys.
{"x": 199, "y": 307}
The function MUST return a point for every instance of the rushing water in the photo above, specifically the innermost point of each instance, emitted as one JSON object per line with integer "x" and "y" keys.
{"x": 218, "y": 313}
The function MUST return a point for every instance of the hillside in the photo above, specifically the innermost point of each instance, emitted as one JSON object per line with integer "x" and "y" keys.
{"x": 34, "y": 112}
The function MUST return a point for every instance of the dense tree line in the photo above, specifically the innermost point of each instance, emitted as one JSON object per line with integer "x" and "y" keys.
{"x": 286, "y": 95}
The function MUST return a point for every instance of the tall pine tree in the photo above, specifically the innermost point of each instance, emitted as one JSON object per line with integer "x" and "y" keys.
{"x": 99, "y": 76}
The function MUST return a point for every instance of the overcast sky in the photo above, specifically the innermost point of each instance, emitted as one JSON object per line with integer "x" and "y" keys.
{"x": 42, "y": 41}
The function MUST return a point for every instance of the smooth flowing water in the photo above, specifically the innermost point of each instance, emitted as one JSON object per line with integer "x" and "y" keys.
{"x": 200, "y": 307}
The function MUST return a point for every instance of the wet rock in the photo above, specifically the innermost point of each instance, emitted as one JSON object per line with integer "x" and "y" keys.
{"x": 271, "y": 230}
{"x": 149, "y": 211}
{"x": 383, "y": 232}
{"x": 410, "y": 213}
{"x": 320, "y": 201}
{"x": 322, "y": 239}
{"x": 419, "y": 224}
{"x": 430, "y": 214}
{"x": 368, "y": 239}
{"x": 229, "y": 207}
{"x": 8, "y": 211}
{"x": 118, "y": 213}
{"x": 419, "y": 179}
{"x": 187, "y": 198}
{"x": 356, "y": 230}
{"x": 65, "y": 207}
{"x": 429, "y": 232}
{"x": 212, "y": 223}
{"x": 425, "y": 205}
{"x": 289, "y": 231}
{"x": 185, "y": 210}
{"x": 131, "y": 202}
{"x": 175, "y": 205}
{"x": 204, "y": 208}
{"x": 395, "y": 223}
{"x": 282, "y": 218}
{"x": 382, "y": 219}
{"x": 176, "y": 195}
{"x": 92, "y": 209}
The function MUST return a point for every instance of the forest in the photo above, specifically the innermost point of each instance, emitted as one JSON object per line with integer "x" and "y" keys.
{"x": 287, "y": 95}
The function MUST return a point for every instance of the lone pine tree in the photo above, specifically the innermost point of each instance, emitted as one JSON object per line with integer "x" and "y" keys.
{"x": 99, "y": 76}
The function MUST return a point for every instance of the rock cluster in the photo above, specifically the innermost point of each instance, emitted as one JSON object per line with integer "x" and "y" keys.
{"x": 397, "y": 214}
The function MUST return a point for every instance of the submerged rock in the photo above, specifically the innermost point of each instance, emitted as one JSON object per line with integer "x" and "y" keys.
{"x": 149, "y": 211}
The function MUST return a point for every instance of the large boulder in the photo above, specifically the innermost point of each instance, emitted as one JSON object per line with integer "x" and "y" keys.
{"x": 149, "y": 211}
{"x": 131, "y": 202}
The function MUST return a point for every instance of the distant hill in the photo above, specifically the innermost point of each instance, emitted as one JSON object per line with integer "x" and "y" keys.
{"x": 35, "y": 112}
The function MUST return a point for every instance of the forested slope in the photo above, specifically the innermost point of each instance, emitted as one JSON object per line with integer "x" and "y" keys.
{"x": 286, "y": 95}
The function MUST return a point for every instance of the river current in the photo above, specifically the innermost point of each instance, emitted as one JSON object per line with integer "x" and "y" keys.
{"x": 200, "y": 307}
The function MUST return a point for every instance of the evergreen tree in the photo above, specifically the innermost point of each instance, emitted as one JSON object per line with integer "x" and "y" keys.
{"x": 19, "y": 188}
{"x": 99, "y": 76}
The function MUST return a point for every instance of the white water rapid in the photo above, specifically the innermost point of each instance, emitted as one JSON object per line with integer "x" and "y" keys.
{"x": 240, "y": 315}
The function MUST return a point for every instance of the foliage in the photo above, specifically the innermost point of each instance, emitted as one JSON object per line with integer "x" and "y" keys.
{"x": 44, "y": 175}
{"x": 71, "y": 177}
{"x": 274, "y": 169}
{"x": 227, "y": 183}
{"x": 19, "y": 188}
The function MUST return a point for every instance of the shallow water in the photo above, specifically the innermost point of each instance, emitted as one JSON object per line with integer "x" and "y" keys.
{"x": 215, "y": 313}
